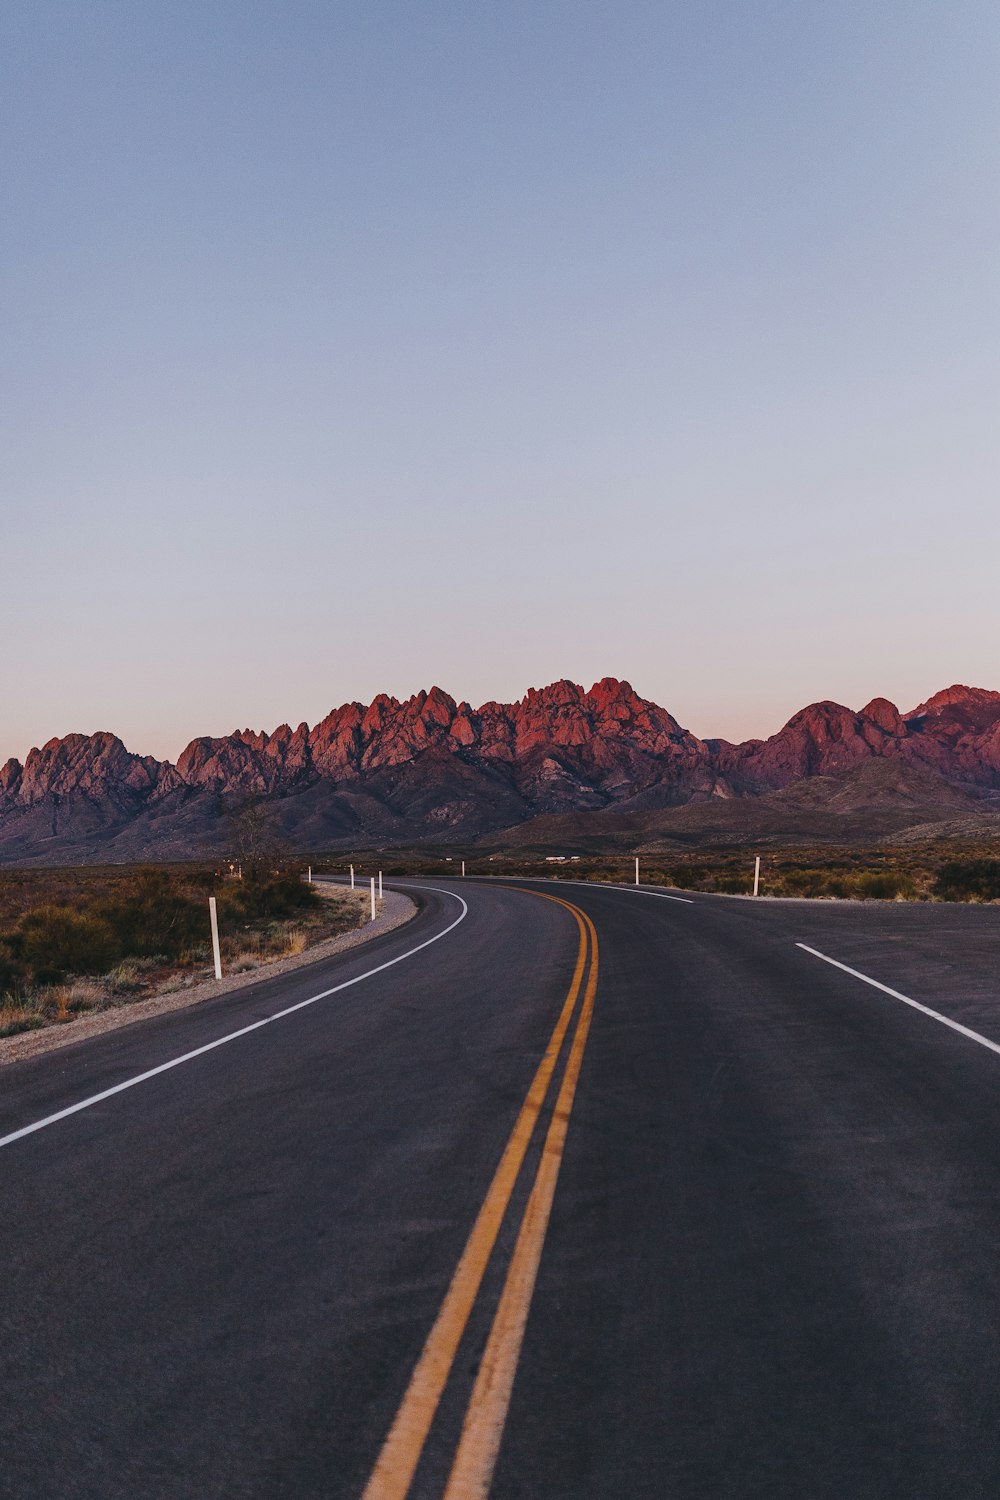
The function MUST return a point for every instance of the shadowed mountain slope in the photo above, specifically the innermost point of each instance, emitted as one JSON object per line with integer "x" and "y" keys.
{"x": 873, "y": 802}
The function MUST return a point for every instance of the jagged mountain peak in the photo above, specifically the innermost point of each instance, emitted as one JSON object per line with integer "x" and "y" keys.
{"x": 823, "y": 711}
{"x": 429, "y": 765}
{"x": 957, "y": 696}
{"x": 886, "y": 715}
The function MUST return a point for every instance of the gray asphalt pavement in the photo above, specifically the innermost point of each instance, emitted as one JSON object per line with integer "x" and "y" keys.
{"x": 768, "y": 1269}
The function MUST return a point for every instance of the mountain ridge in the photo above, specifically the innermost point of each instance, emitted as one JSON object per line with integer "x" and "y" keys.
{"x": 431, "y": 767}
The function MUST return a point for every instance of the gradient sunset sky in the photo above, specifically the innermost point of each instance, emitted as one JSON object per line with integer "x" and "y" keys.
{"x": 355, "y": 347}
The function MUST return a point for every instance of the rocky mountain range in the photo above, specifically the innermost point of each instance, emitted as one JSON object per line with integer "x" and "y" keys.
{"x": 431, "y": 769}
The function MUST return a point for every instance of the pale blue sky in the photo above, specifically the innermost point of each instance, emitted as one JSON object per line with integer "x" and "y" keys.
{"x": 356, "y": 347}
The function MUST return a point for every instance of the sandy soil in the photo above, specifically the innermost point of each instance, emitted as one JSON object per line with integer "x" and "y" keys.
{"x": 396, "y": 909}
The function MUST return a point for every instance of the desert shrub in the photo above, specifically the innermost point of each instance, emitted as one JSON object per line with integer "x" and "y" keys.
{"x": 11, "y": 970}
{"x": 268, "y": 899}
{"x": 816, "y": 884}
{"x": 153, "y": 917}
{"x": 56, "y": 940}
{"x": 968, "y": 880}
{"x": 884, "y": 885}
{"x": 807, "y": 883}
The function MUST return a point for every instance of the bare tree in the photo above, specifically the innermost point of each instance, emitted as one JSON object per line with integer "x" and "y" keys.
{"x": 255, "y": 840}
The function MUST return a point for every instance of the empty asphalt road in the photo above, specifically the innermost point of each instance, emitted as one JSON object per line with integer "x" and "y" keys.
{"x": 556, "y": 1192}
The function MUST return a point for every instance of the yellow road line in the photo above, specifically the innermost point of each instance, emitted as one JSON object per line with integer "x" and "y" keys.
{"x": 482, "y": 1431}
{"x": 397, "y": 1462}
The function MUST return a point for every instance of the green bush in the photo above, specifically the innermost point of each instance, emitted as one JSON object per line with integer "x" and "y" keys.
{"x": 270, "y": 899}
{"x": 885, "y": 885}
{"x": 813, "y": 883}
{"x": 154, "y": 918}
{"x": 968, "y": 880}
{"x": 56, "y": 940}
{"x": 11, "y": 970}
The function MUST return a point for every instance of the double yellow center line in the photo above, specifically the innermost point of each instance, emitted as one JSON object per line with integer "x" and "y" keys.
{"x": 475, "y": 1457}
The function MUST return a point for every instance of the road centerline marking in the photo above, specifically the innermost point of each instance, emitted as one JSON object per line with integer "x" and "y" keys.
{"x": 232, "y": 1036}
{"x": 482, "y": 1431}
{"x": 401, "y": 1452}
{"x": 935, "y": 1015}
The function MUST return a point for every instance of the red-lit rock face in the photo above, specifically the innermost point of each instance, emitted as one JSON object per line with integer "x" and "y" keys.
{"x": 247, "y": 764}
{"x": 560, "y": 748}
{"x": 956, "y": 733}
{"x": 886, "y": 715}
{"x": 353, "y": 739}
{"x": 92, "y": 764}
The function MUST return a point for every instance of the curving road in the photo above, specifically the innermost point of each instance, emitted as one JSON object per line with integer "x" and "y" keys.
{"x": 558, "y": 1192}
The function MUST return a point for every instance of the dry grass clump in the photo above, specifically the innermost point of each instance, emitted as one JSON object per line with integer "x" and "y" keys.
{"x": 243, "y": 962}
{"x": 52, "y": 1005}
{"x": 64, "y": 1001}
{"x": 18, "y": 1016}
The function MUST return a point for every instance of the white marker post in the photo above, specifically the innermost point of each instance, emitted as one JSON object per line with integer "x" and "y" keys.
{"x": 216, "y": 953}
{"x": 637, "y": 869}
{"x": 373, "y": 898}
{"x": 756, "y": 876}
{"x": 352, "y": 877}
{"x": 380, "y": 885}
{"x": 309, "y": 877}
{"x": 463, "y": 869}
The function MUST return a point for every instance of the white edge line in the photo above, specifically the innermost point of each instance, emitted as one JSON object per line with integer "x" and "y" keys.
{"x": 640, "y": 890}
{"x": 973, "y": 1036}
{"x": 175, "y": 1062}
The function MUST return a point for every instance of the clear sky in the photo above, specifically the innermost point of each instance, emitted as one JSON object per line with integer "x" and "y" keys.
{"x": 352, "y": 346}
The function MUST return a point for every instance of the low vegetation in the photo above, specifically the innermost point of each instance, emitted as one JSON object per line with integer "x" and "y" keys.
{"x": 903, "y": 873}
{"x": 853, "y": 875}
{"x": 732, "y": 874}
{"x": 83, "y": 940}
{"x": 969, "y": 880}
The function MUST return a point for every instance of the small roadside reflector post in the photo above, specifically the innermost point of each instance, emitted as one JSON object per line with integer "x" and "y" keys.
{"x": 216, "y": 953}
{"x": 380, "y": 885}
{"x": 373, "y": 898}
{"x": 352, "y": 877}
{"x": 309, "y": 877}
{"x": 637, "y": 869}
{"x": 756, "y": 876}
{"x": 463, "y": 869}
